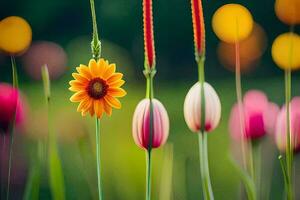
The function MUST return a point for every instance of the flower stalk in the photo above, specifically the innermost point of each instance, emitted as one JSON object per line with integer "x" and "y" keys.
{"x": 55, "y": 168}
{"x": 246, "y": 147}
{"x": 289, "y": 144}
{"x": 98, "y": 157}
{"x": 96, "y": 52}
{"x": 149, "y": 73}
{"x": 12, "y": 128}
{"x": 199, "y": 43}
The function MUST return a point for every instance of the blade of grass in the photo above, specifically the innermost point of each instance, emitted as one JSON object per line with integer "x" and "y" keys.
{"x": 33, "y": 183}
{"x": 55, "y": 168}
{"x": 246, "y": 179}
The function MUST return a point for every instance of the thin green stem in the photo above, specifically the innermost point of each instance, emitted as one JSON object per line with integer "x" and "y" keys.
{"x": 14, "y": 72}
{"x": 238, "y": 88}
{"x": 204, "y": 167}
{"x": 12, "y": 129}
{"x": 256, "y": 151}
{"x": 149, "y": 87}
{"x": 202, "y": 136}
{"x": 95, "y": 44}
{"x": 150, "y": 95}
{"x": 98, "y": 154}
{"x": 289, "y": 146}
{"x": 148, "y": 178}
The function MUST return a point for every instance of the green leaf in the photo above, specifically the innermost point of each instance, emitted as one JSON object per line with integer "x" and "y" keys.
{"x": 56, "y": 175}
{"x": 247, "y": 181}
{"x": 33, "y": 183}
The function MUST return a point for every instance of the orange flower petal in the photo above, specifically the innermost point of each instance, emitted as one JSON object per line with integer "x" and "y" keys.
{"x": 118, "y": 83}
{"x": 98, "y": 106}
{"x": 115, "y": 77}
{"x": 116, "y": 92}
{"x": 92, "y": 110}
{"x": 82, "y": 105}
{"x": 107, "y": 108}
{"x": 77, "y": 83}
{"x": 78, "y": 96}
{"x": 103, "y": 66}
{"x": 109, "y": 72}
{"x": 76, "y": 88}
{"x": 84, "y": 71}
{"x": 80, "y": 78}
{"x": 94, "y": 68}
{"x": 113, "y": 101}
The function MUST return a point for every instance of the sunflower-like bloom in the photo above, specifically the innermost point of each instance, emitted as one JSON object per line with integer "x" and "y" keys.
{"x": 97, "y": 87}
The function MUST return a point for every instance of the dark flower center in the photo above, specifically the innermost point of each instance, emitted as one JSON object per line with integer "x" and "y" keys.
{"x": 97, "y": 88}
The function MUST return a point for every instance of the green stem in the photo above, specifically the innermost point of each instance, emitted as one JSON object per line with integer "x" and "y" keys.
{"x": 149, "y": 74}
{"x": 14, "y": 72}
{"x": 98, "y": 157}
{"x": 148, "y": 178}
{"x": 149, "y": 87}
{"x": 95, "y": 44}
{"x": 256, "y": 151}
{"x": 289, "y": 147}
{"x": 15, "y": 85}
{"x": 204, "y": 167}
{"x": 10, "y": 162}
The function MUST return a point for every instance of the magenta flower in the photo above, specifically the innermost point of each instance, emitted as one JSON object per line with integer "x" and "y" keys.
{"x": 10, "y": 103}
{"x": 192, "y": 108}
{"x": 141, "y": 124}
{"x": 280, "y": 135}
{"x": 259, "y": 116}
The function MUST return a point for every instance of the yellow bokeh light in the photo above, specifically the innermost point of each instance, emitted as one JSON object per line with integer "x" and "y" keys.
{"x": 288, "y": 11}
{"x": 286, "y": 51}
{"x": 232, "y": 23}
{"x": 15, "y": 35}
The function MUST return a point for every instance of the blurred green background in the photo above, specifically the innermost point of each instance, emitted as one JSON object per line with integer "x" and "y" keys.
{"x": 68, "y": 24}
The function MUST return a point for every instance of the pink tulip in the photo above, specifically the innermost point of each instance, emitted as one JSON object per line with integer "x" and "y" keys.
{"x": 192, "y": 108}
{"x": 141, "y": 124}
{"x": 259, "y": 116}
{"x": 280, "y": 136}
{"x": 9, "y": 104}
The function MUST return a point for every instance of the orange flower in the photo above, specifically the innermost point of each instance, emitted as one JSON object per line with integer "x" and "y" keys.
{"x": 97, "y": 87}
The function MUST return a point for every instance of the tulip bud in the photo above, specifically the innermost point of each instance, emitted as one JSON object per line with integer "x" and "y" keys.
{"x": 11, "y": 107}
{"x": 192, "y": 108}
{"x": 141, "y": 124}
{"x": 258, "y": 114}
{"x": 280, "y": 135}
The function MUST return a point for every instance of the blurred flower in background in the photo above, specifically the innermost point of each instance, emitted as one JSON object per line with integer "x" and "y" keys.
{"x": 257, "y": 117}
{"x": 288, "y": 11}
{"x": 41, "y": 53}
{"x": 251, "y": 49}
{"x": 227, "y": 27}
{"x": 280, "y": 135}
{"x": 11, "y": 107}
{"x": 286, "y": 51}
{"x": 15, "y": 35}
